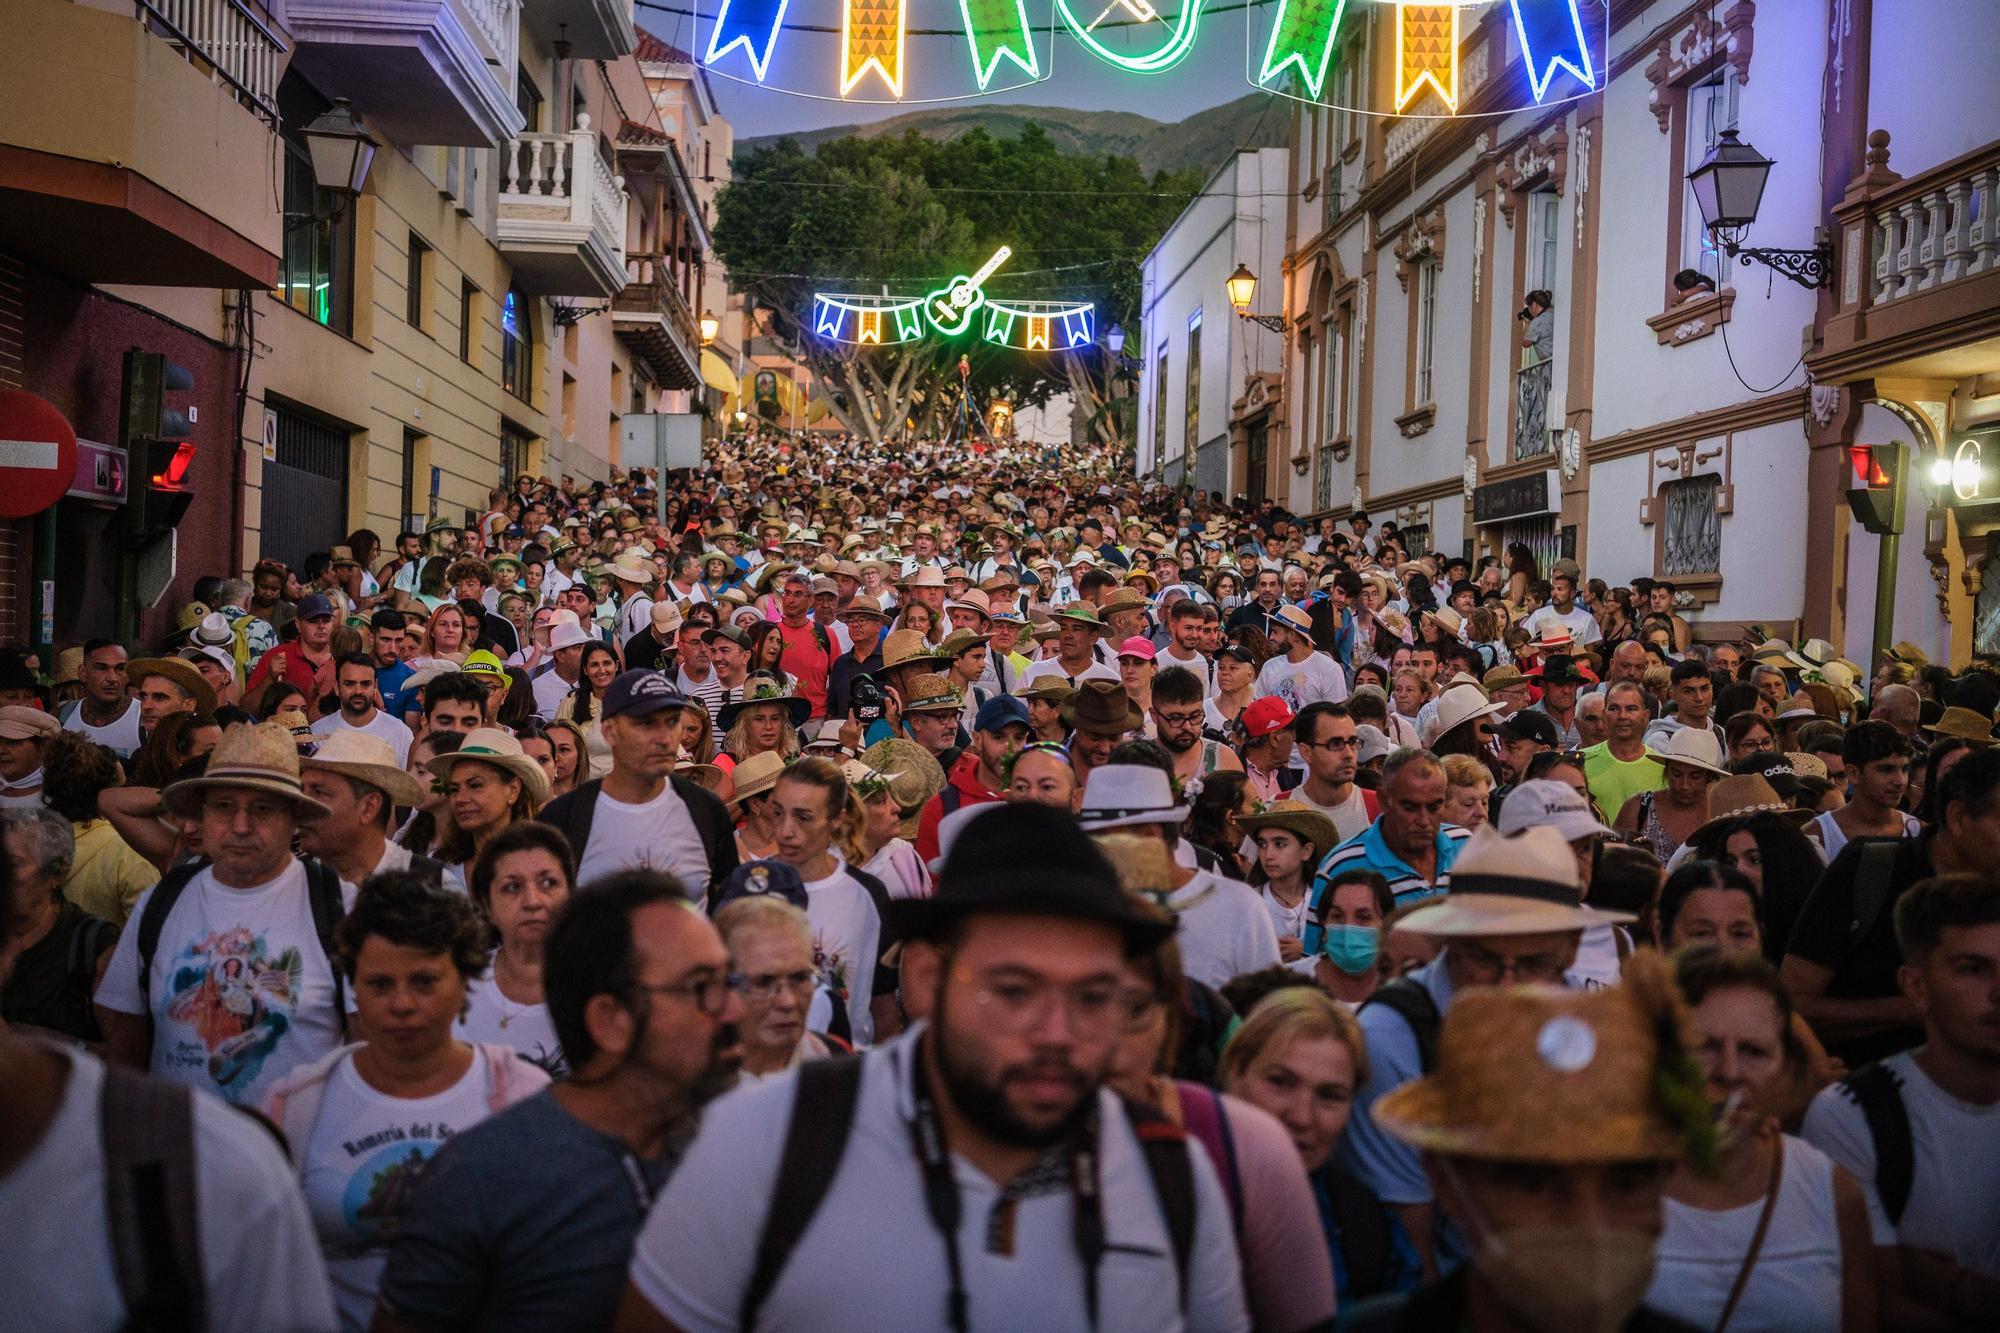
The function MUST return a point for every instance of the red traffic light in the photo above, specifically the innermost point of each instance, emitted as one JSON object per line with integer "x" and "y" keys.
{"x": 173, "y": 476}
{"x": 1868, "y": 469}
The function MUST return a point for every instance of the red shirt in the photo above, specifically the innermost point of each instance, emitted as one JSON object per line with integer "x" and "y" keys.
{"x": 288, "y": 663}
{"x": 963, "y": 780}
{"x": 806, "y": 662}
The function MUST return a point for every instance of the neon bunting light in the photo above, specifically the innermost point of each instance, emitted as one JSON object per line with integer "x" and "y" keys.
{"x": 1302, "y": 37}
{"x": 1551, "y": 33}
{"x": 872, "y": 37}
{"x": 886, "y": 321}
{"x": 997, "y": 30}
{"x": 1426, "y": 52}
{"x": 1178, "y": 42}
{"x": 746, "y": 23}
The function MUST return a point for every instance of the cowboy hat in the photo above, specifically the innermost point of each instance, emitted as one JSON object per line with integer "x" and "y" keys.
{"x": 1543, "y": 1074}
{"x": 913, "y": 772}
{"x": 262, "y": 757}
{"x": 1523, "y": 884}
{"x": 1101, "y": 707}
{"x": 353, "y": 753}
{"x": 496, "y": 749}
{"x": 1814, "y": 655}
{"x": 1297, "y": 818}
{"x": 762, "y": 689}
{"x": 1459, "y": 705}
{"x": 1121, "y": 795}
{"x": 756, "y": 775}
{"x": 1052, "y": 688}
{"x": 1967, "y": 724}
{"x": 192, "y": 682}
{"x": 1559, "y": 669}
{"x": 1741, "y": 794}
{"x": 1694, "y": 747}
{"x": 906, "y": 645}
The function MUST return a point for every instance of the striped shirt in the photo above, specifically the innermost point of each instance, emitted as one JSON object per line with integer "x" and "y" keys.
{"x": 1367, "y": 851}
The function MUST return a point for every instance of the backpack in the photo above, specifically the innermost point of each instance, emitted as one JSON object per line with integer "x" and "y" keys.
{"x": 1874, "y": 876}
{"x": 573, "y": 813}
{"x": 322, "y": 891}
{"x": 1414, "y": 1005}
{"x": 150, "y": 1190}
{"x": 1878, "y": 1091}
{"x": 823, "y": 1115}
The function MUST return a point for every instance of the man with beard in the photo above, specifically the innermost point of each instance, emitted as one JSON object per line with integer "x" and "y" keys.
{"x": 991, "y": 1180}
{"x": 1177, "y": 721}
{"x": 354, "y": 686}
{"x": 527, "y": 1219}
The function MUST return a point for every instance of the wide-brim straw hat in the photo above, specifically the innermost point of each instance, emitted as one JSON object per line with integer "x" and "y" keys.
{"x": 1967, "y": 724}
{"x": 1695, "y": 747}
{"x": 356, "y": 754}
{"x": 1741, "y": 794}
{"x": 915, "y": 775}
{"x": 960, "y": 640}
{"x": 1550, "y": 1075}
{"x": 766, "y": 691}
{"x": 1520, "y": 884}
{"x": 263, "y": 757}
{"x": 756, "y": 775}
{"x": 906, "y": 645}
{"x": 1296, "y": 818}
{"x": 932, "y": 694}
{"x": 498, "y": 749}
{"x": 629, "y": 568}
{"x": 180, "y": 673}
{"x": 1102, "y": 707}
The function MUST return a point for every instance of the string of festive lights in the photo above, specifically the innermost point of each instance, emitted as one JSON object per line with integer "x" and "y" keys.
{"x": 949, "y": 311}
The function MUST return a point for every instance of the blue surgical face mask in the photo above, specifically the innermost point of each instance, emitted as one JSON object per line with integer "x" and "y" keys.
{"x": 1352, "y": 949}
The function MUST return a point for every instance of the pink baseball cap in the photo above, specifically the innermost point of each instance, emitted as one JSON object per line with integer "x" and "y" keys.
{"x": 1137, "y": 646}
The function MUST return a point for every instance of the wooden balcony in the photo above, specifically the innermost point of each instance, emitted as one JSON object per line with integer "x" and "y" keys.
{"x": 1916, "y": 273}
{"x": 653, "y": 318}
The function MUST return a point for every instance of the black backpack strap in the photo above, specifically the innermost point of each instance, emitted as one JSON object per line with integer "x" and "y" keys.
{"x": 1879, "y": 1093}
{"x": 1874, "y": 870}
{"x": 428, "y": 867}
{"x": 1164, "y": 1145}
{"x": 92, "y": 936}
{"x": 577, "y": 816}
{"x": 153, "y": 920}
{"x": 822, "y": 1113}
{"x": 1366, "y": 1244}
{"x": 323, "y": 892}
{"x": 147, "y": 1130}
{"x": 1413, "y": 1004}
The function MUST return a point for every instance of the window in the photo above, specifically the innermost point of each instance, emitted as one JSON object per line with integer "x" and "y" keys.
{"x": 517, "y": 350}
{"x": 1711, "y": 109}
{"x": 1191, "y": 439}
{"x": 1323, "y": 492}
{"x": 514, "y": 460}
{"x": 1257, "y": 463}
{"x": 413, "y": 443}
{"x": 317, "y": 275}
{"x": 416, "y": 281}
{"x": 1335, "y": 345}
{"x": 1427, "y": 285}
{"x": 1160, "y": 411}
{"x": 1692, "y": 540}
{"x": 305, "y": 485}
{"x": 528, "y": 100}
{"x": 1544, "y": 233}
{"x": 468, "y": 319}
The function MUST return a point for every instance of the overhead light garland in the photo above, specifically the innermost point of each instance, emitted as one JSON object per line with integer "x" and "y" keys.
{"x": 951, "y": 310}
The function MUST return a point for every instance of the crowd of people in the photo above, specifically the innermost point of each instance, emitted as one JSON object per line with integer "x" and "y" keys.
{"x": 971, "y": 889}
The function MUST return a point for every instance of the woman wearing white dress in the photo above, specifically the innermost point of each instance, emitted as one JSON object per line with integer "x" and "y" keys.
{"x": 521, "y": 880}
{"x": 1775, "y": 1236}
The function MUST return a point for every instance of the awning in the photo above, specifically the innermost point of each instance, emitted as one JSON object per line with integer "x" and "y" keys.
{"x": 716, "y": 374}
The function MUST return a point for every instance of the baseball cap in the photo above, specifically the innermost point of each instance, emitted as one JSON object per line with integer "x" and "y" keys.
{"x": 1266, "y": 715}
{"x": 1138, "y": 646}
{"x": 638, "y": 692}
{"x": 1530, "y": 726}
{"x": 760, "y": 879}
{"x": 1551, "y": 803}
{"x": 314, "y": 606}
{"x": 1002, "y": 710}
{"x": 725, "y": 631}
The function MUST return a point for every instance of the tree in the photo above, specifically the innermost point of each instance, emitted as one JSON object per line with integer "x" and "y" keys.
{"x": 900, "y": 214}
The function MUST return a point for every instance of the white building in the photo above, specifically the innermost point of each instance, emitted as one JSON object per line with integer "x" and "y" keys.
{"x": 1196, "y": 357}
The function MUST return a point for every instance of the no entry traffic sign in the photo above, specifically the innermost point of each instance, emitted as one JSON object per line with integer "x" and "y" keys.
{"x": 37, "y": 454}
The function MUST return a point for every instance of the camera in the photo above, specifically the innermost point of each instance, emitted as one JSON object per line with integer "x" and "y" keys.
{"x": 1525, "y": 314}
{"x": 865, "y": 700}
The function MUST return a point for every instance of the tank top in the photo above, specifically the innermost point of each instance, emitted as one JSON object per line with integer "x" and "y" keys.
{"x": 1832, "y": 839}
{"x": 1796, "y": 1282}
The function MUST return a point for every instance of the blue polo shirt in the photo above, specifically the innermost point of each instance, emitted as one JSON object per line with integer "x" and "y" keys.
{"x": 389, "y": 683}
{"x": 1367, "y": 851}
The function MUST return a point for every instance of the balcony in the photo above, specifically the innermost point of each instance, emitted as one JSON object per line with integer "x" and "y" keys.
{"x": 653, "y": 318}
{"x": 594, "y": 29}
{"x": 1531, "y": 408}
{"x": 562, "y": 215}
{"x": 1917, "y": 272}
{"x": 141, "y": 149}
{"x": 419, "y": 71}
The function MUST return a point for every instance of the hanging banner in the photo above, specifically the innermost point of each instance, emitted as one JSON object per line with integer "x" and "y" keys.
{"x": 1552, "y": 38}
{"x": 1426, "y": 53}
{"x": 997, "y": 30}
{"x": 750, "y": 24}
{"x": 871, "y": 37}
{"x": 1302, "y": 39}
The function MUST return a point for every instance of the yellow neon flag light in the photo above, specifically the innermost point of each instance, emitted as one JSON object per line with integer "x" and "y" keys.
{"x": 871, "y": 37}
{"x": 1426, "y": 53}
{"x": 1038, "y": 333}
{"x": 871, "y": 326}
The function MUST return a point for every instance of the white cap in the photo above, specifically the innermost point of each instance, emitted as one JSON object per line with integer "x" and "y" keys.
{"x": 1554, "y": 804}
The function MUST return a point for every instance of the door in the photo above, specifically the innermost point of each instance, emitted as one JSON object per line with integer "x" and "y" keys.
{"x": 305, "y": 488}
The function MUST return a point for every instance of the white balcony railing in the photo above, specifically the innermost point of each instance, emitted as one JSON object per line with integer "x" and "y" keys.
{"x": 561, "y": 204}
{"x": 1943, "y": 233}
{"x": 228, "y": 39}
{"x": 498, "y": 23}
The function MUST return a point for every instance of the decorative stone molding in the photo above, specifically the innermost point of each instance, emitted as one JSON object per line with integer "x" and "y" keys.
{"x": 1941, "y": 576}
{"x": 1343, "y": 448}
{"x": 1537, "y": 158}
{"x": 1689, "y": 49}
{"x": 1582, "y": 178}
{"x": 1823, "y": 403}
{"x": 1261, "y": 389}
{"x": 1478, "y": 244}
{"x": 1689, "y": 320}
{"x": 1471, "y": 476}
{"x": 1418, "y": 421}
{"x": 1421, "y": 243}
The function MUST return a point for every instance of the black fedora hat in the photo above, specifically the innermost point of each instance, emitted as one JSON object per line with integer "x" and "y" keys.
{"x": 1027, "y": 859}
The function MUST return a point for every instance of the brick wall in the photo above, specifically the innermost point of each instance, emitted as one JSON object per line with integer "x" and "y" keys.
{"x": 16, "y": 535}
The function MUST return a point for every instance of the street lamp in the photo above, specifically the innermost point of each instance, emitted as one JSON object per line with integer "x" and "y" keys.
{"x": 709, "y": 326}
{"x": 1242, "y": 285}
{"x": 1114, "y": 338}
{"x": 1728, "y": 187}
{"x": 340, "y": 149}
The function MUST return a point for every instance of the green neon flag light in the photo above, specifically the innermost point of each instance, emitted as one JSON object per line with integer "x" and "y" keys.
{"x": 997, "y": 30}
{"x": 1178, "y": 41}
{"x": 1302, "y": 37}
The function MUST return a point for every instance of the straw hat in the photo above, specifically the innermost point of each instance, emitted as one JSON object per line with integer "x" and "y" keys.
{"x": 906, "y": 645}
{"x": 1501, "y": 677}
{"x": 1296, "y": 818}
{"x": 1967, "y": 724}
{"x": 1125, "y": 599}
{"x": 1120, "y": 795}
{"x": 1543, "y": 1074}
{"x": 756, "y": 775}
{"x": 1814, "y": 655}
{"x": 1082, "y": 613}
{"x": 262, "y": 758}
{"x": 864, "y": 605}
{"x": 932, "y": 694}
{"x": 959, "y": 640}
{"x": 762, "y": 689}
{"x": 69, "y": 666}
{"x": 353, "y": 753}
{"x": 192, "y": 682}
{"x": 1743, "y": 794}
{"x": 1101, "y": 707}
{"x": 1800, "y": 707}
{"x": 1054, "y": 689}
{"x": 1292, "y": 618}
{"x": 1524, "y": 884}
{"x": 498, "y": 749}
{"x": 1696, "y": 747}
{"x": 914, "y": 775}
{"x": 706, "y": 776}
{"x": 930, "y": 576}
{"x": 629, "y": 568}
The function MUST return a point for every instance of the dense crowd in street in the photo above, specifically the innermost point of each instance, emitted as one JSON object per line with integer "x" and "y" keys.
{"x": 968, "y": 888}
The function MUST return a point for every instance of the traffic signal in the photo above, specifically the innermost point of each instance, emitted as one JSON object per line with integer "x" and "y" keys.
{"x": 158, "y": 439}
{"x": 1875, "y": 486}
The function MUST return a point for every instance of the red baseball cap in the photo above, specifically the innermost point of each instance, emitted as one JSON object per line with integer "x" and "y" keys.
{"x": 1266, "y": 715}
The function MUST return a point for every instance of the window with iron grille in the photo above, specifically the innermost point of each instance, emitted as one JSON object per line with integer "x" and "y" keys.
{"x": 1427, "y": 293}
{"x": 1192, "y": 438}
{"x": 1692, "y": 540}
{"x": 1323, "y": 491}
{"x": 316, "y": 276}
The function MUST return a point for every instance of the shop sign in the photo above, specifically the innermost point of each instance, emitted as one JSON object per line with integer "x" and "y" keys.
{"x": 1527, "y": 496}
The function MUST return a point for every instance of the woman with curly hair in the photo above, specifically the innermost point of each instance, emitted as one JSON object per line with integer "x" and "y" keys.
{"x": 364, "y": 1122}
{"x": 1224, "y": 798}
{"x": 106, "y": 876}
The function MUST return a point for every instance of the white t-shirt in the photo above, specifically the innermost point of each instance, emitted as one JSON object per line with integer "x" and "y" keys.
{"x": 1224, "y": 929}
{"x": 367, "y": 1151}
{"x": 1350, "y": 817}
{"x": 1954, "y": 1206}
{"x": 121, "y": 736}
{"x": 1288, "y": 920}
{"x": 240, "y": 991}
{"x": 635, "y": 614}
{"x": 493, "y": 1018}
{"x": 1318, "y": 679}
{"x": 847, "y": 926}
{"x": 1200, "y": 665}
{"x": 1049, "y": 666}
{"x": 659, "y": 835}
{"x": 381, "y": 726}
{"x": 550, "y": 690}
{"x": 260, "y": 1264}
{"x": 1582, "y": 625}
{"x": 1596, "y": 965}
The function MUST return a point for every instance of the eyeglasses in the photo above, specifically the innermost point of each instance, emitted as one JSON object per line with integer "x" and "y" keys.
{"x": 1015, "y": 1007}
{"x": 1491, "y": 969}
{"x": 1336, "y": 743}
{"x": 710, "y": 994}
{"x": 765, "y": 986}
{"x": 1193, "y": 719}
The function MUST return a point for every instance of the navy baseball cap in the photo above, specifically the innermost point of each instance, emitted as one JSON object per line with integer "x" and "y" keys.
{"x": 758, "y": 879}
{"x": 314, "y": 605}
{"x": 1002, "y": 710}
{"x": 640, "y": 691}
